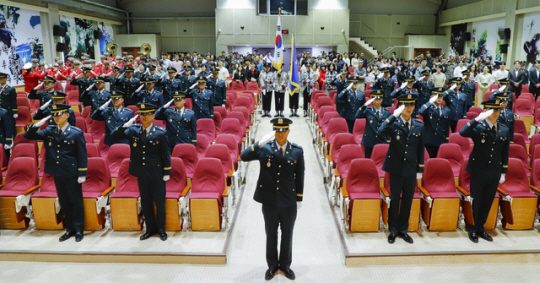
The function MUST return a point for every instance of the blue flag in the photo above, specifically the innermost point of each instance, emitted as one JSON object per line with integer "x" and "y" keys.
{"x": 294, "y": 84}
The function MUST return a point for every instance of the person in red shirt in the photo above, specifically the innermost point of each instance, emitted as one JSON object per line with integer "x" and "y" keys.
{"x": 31, "y": 77}
{"x": 96, "y": 71}
{"x": 322, "y": 76}
{"x": 76, "y": 71}
{"x": 62, "y": 72}
{"x": 106, "y": 70}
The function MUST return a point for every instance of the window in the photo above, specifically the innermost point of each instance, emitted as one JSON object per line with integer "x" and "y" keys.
{"x": 288, "y": 7}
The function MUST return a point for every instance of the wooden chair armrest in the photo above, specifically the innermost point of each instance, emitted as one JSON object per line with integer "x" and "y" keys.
{"x": 319, "y": 130}
{"x": 424, "y": 191}
{"x": 502, "y": 192}
{"x": 462, "y": 191}
{"x": 231, "y": 172}
{"x": 31, "y": 190}
{"x": 226, "y": 191}
{"x": 324, "y": 139}
{"x": 1, "y": 186}
{"x": 4, "y": 168}
{"x": 535, "y": 189}
{"x": 186, "y": 190}
{"x": 107, "y": 191}
{"x": 329, "y": 158}
{"x": 243, "y": 139}
{"x": 385, "y": 191}
{"x": 336, "y": 172}
{"x": 239, "y": 158}
{"x": 344, "y": 192}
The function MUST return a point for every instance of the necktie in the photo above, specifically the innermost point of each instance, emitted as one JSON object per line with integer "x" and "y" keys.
{"x": 493, "y": 130}
{"x": 440, "y": 110}
{"x": 377, "y": 113}
{"x": 407, "y": 126}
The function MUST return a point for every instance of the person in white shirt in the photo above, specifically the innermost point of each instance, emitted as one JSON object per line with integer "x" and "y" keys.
{"x": 346, "y": 58}
{"x": 460, "y": 68}
{"x": 501, "y": 73}
{"x": 166, "y": 61}
{"x": 438, "y": 78}
{"x": 223, "y": 72}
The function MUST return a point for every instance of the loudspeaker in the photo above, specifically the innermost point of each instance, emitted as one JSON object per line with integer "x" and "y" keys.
{"x": 504, "y": 48}
{"x": 97, "y": 34}
{"x": 504, "y": 33}
{"x": 59, "y": 47}
{"x": 59, "y": 30}
{"x": 467, "y": 36}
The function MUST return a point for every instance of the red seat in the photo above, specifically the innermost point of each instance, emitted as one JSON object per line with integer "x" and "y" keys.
{"x": 24, "y": 119}
{"x": 517, "y": 151}
{"x": 117, "y": 153}
{"x": 247, "y": 115}
{"x": 323, "y": 101}
{"x": 79, "y": 123}
{"x": 221, "y": 152}
{"x": 314, "y": 98}
{"x": 23, "y": 150}
{"x": 240, "y": 117}
{"x": 528, "y": 96}
{"x": 521, "y": 129}
{"x": 463, "y": 142}
{"x": 92, "y": 150}
{"x": 323, "y": 110}
{"x": 103, "y": 148}
{"x": 206, "y": 127}
{"x": 452, "y": 153}
{"x": 353, "y": 151}
{"x": 524, "y": 107}
{"x": 202, "y": 145}
{"x": 476, "y": 109}
{"x": 535, "y": 156}
{"x": 471, "y": 115}
{"x": 535, "y": 139}
{"x": 221, "y": 110}
{"x": 217, "y": 121}
{"x": 230, "y": 142}
{"x": 339, "y": 141}
{"x": 460, "y": 124}
{"x": 524, "y": 88}
{"x": 178, "y": 181}
{"x": 336, "y": 126}
{"x": 232, "y": 126}
{"x": 88, "y": 138}
{"x": 253, "y": 86}
{"x": 535, "y": 175}
{"x": 188, "y": 154}
{"x": 378, "y": 155}
{"x": 359, "y": 129}
{"x": 127, "y": 185}
{"x": 20, "y": 139}
{"x": 97, "y": 130}
{"x": 236, "y": 85}
{"x": 97, "y": 185}
{"x": 243, "y": 101}
{"x": 23, "y": 101}
{"x": 328, "y": 116}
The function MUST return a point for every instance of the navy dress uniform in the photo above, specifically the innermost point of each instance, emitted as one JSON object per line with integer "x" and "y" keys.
{"x": 152, "y": 74}
{"x": 8, "y": 99}
{"x": 402, "y": 91}
{"x": 202, "y": 101}
{"x": 99, "y": 97}
{"x": 150, "y": 96}
{"x": 181, "y": 124}
{"x": 487, "y": 163}
{"x": 282, "y": 80}
{"x": 58, "y": 97}
{"x": 129, "y": 86}
{"x": 341, "y": 82}
{"x": 279, "y": 187}
{"x": 114, "y": 118}
{"x": 114, "y": 79}
{"x": 267, "y": 81}
{"x": 219, "y": 90}
{"x": 374, "y": 118}
{"x": 387, "y": 86}
{"x": 6, "y": 131}
{"x": 404, "y": 159}
{"x": 187, "y": 78}
{"x": 83, "y": 83}
{"x": 43, "y": 95}
{"x": 469, "y": 88}
{"x": 423, "y": 88}
{"x": 509, "y": 97}
{"x": 457, "y": 102}
{"x": 506, "y": 117}
{"x": 171, "y": 86}
{"x": 351, "y": 99}
{"x": 150, "y": 161}
{"x": 66, "y": 160}
{"x": 436, "y": 124}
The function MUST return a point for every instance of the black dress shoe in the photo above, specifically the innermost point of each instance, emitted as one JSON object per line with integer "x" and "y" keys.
{"x": 277, "y": 115}
{"x": 392, "y": 238}
{"x": 270, "y": 273}
{"x": 66, "y": 236}
{"x": 473, "y": 237}
{"x": 146, "y": 236}
{"x": 288, "y": 273}
{"x": 162, "y": 235}
{"x": 485, "y": 236}
{"x": 291, "y": 115}
{"x": 407, "y": 238}
{"x": 79, "y": 236}
{"x": 281, "y": 115}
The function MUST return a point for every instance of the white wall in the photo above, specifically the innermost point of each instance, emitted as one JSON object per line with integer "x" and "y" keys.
{"x": 426, "y": 41}
{"x": 236, "y": 4}
{"x": 136, "y": 40}
{"x": 328, "y": 4}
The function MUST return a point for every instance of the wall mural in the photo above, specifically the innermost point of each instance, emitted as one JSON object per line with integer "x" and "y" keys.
{"x": 79, "y": 37}
{"x": 457, "y": 39}
{"x": 486, "y": 41}
{"x": 107, "y": 36}
{"x": 20, "y": 41}
{"x": 531, "y": 38}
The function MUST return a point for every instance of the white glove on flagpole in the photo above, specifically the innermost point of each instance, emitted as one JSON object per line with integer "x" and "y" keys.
{"x": 168, "y": 104}
{"x": 42, "y": 122}
{"x": 398, "y": 111}
{"x": 268, "y": 137}
{"x": 503, "y": 178}
{"x": 45, "y": 105}
{"x": 433, "y": 99}
{"x": 81, "y": 180}
{"x": 130, "y": 122}
{"x": 369, "y": 101}
{"x": 484, "y": 115}
{"x": 38, "y": 86}
{"x": 105, "y": 105}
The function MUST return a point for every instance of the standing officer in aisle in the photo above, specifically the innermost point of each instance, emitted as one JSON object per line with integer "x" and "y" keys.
{"x": 404, "y": 161}
{"x": 436, "y": 122}
{"x": 6, "y": 132}
{"x": 279, "y": 96}
{"x": 8, "y": 99}
{"x": 308, "y": 80}
{"x": 114, "y": 117}
{"x": 507, "y": 116}
{"x": 488, "y": 163}
{"x": 341, "y": 83}
{"x": 468, "y": 87}
{"x": 267, "y": 83}
{"x": 181, "y": 124}
{"x": 218, "y": 88}
{"x": 386, "y": 84}
{"x": 202, "y": 100}
{"x": 66, "y": 160}
{"x": 456, "y": 101}
{"x": 374, "y": 117}
{"x": 151, "y": 163}
{"x": 280, "y": 189}
{"x": 351, "y": 98}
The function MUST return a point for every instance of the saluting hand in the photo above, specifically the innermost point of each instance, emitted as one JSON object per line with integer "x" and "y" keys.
{"x": 403, "y": 85}
{"x": 105, "y": 105}
{"x": 350, "y": 86}
{"x": 168, "y": 104}
{"x": 131, "y": 121}
{"x": 484, "y": 115}
{"x": 42, "y": 122}
{"x": 398, "y": 111}
{"x": 502, "y": 88}
{"x": 268, "y": 137}
{"x": 45, "y": 105}
{"x": 433, "y": 99}
{"x": 38, "y": 86}
{"x": 369, "y": 101}
{"x": 90, "y": 87}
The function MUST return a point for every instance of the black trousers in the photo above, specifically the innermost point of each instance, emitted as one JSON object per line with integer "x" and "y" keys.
{"x": 274, "y": 217}
{"x": 293, "y": 101}
{"x": 483, "y": 189}
{"x": 517, "y": 92}
{"x": 350, "y": 124}
{"x": 368, "y": 151}
{"x": 152, "y": 189}
{"x": 432, "y": 150}
{"x": 70, "y": 197}
{"x": 398, "y": 217}
{"x": 453, "y": 124}
{"x": 266, "y": 100}
{"x": 534, "y": 91}
{"x": 279, "y": 100}
{"x": 307, "y": 99}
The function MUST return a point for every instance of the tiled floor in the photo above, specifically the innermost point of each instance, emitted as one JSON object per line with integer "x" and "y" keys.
{"x": 317, "y": 252}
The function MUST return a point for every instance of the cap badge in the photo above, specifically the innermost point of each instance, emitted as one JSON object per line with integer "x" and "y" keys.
{"x": 409, "y": 96}
{"x": 143, "y": 106}
{"x": 280, "y": 121}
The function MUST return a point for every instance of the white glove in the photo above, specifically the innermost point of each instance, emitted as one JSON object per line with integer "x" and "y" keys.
{"x": 45, "y": 105}
{"x": 7, "y": 146}
{"x": 139, "y": 89}
{"x": 163, "y": 76}
{"x": 433, "y": 99}
{"x": 121, "y": 75}
{"x": 398, "y": 111}
{"x": 168, "y": 104}
{"x": 223, "y": 105}
{"x": 42, "y": 122}
{"x": 81, "y": 180}
{"x": 369, "y": 101}
{"x": 268, "y": 137}
{"x": 15, "y": 115}
{"x": 193, "y": 86}
{"x": 166, "y": 178}
{"x": 90, "y": 87}
{"x": 105, "y": 105}
{"x": 298, "y": 204}
{"x": 484, "y": 115}
{"x": 38, "y": 86}
{"x": 503, "y": 178}
{"x": 403, "y": 85}
{"x": 502, "y": 88}
{"x": 350, "y": 86}
{"x": 453, "y": 87}
{"x": 130, "y": 122}
{"x": 418, "y": 176}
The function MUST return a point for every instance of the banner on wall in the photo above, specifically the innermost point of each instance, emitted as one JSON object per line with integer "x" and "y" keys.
{"x": 486, "y": 41}
{"x": 531, "y": 38}
{"x": 20, "y": 41}
{"x": 106, "y": 36}
{"x": 457, "y": 39}
{"x": 79, "y": 37}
